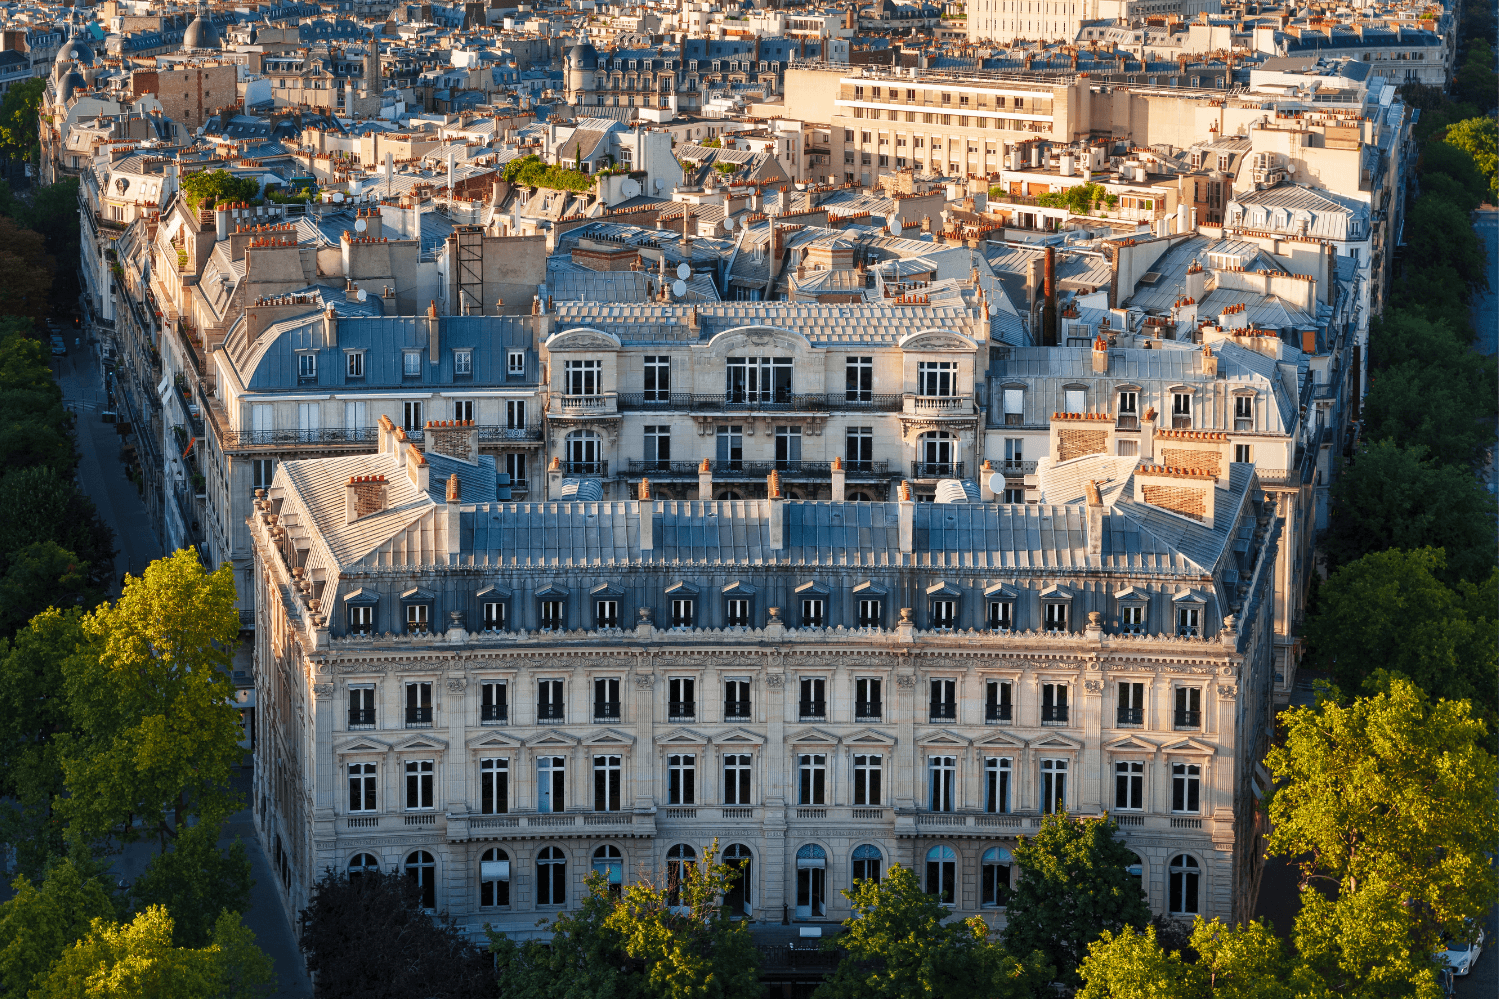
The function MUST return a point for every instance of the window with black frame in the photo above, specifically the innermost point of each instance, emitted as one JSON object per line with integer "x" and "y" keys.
{"x": 606, "y": 704}
{"x": 999, "y": 706}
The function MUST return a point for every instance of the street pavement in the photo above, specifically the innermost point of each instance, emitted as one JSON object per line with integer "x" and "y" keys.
{"x": 102, "y": 476}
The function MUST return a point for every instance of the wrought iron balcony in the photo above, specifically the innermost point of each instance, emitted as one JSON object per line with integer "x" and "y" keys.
{"x": 750, "y": 402}
{"x": 585, "y": 467}
{"x": 755, "y": 469}
{"x": 936, "y": 469}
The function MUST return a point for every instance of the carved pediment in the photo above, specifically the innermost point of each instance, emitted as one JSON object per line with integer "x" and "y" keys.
{"x": 869, "y": 737}
{"x": 492, "y": 740}
{"x": 739, "y": 737}
{"x": 1057, "y": 742}
{"x": 582, "y": 338}
{"x": 682, "y": 737}
{"x": 1130, "y": 744}
{"x": 554, "y": 738}
{"x": 813, "y": 735}
{"x": 610, "y": 737}
{"x": 935, "y": 339}
{"x": 359, "y": 743}
{"x": 944, "y": 737}
{"x": 1190, "y": 747}
{"x": 420, "y": 742}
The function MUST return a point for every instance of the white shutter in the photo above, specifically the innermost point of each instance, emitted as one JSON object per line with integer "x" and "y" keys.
{"x": 262, "y": 419}
{"x": 308, "y": 414}
{"x": 354, "y": 415}
{"x": 1013, "y": 399}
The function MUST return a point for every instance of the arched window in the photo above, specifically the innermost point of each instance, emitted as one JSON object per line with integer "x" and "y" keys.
{"x": 858, "y": 497}
{"x": 608, "y": 861}
{"x": 585, "y": 453}
{"x": 421, "y": 868}
{"x": 551, "y": 876}
{"x": 996, "y": 876}
{"x": 868, "y": 863}
{"x": 494, "y": 878}
{"x": 937, "y": 455}
{"x": 678, "y": 861}
{"x": 739, "y": 899}
{"x": 728, "y": 494}
{"x": 1184, "y": 884}
{"x": 361, "y": 864}
{"x": 1136, "y": 869}
{"x": 811, "y": 871}
{"x": 941, "y": 872}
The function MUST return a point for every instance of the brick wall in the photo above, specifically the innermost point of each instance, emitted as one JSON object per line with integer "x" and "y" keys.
{"x": 1197, "y": 461}
{"x": 369, "y": 494}
{"x": 1076, "y": 443}
{"x": 1187, "y": 502}
{"x": 455, "y": 439}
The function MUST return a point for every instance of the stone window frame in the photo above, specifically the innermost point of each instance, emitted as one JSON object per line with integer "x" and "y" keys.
{"x": 739, "y": 590}
{"x": 1064, "y": 389}
{"x": 814, "y": 590}
{"x": 1253, "y": 395}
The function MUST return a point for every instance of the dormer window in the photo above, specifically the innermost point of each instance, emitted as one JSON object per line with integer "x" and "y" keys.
{"x": 307, "y": 367}
{"x": 1244, "y": 412}
{"x": 354, "y": 364}
{"x": 1181, "y": 411}
{"x": 411, "y": 363}
{"x": 463, "y": 363}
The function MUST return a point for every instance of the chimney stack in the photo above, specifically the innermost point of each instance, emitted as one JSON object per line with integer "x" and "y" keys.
{"x": 906, "y": 513}
{"x": 1049, "y": 309}
{"x": 776, "y": 510}
{"x": 705, "y": 480}
{"x": 363, "y": 495}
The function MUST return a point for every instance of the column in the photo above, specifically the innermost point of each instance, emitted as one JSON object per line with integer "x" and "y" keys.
{"x": 774, "y": 776}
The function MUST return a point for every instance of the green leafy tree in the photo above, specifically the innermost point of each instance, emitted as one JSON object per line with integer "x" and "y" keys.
{"x": 137, "y": 960}
{"x": 1394, "y": 794}
{"x": 1131, "y": 964}
{"x": 1441, "y": 160}
{"x": 1475, "y": 82}
{"x": 25, "y": 272}
{"x": 18, "y": 119}
{"x": 690, "y": 947}
{"x": 43, "y": 574}
{"x": 1479, "y": 138}
{"x": 155, "y": 735}
{"x": 896, "y": 945}
{"x": 1073, "y": 885}
{"x": 1394, "y": 497}
{"x": 369, "y": 936}
{"x": 585, "y": 959}
{"x": 1370, "y": 943}
{"x": 45, "y": 504}
{"x": 211, "y": 187}
{"x": 33, "y": 716}
{"x": 1440, "y": 233}
{"x": 1419, "y": 404}
{"x": 40, "y": 921}
{"x": 195, "y": 881}
{"x": 1436, "y": 294}
{"x": 1400, "y": 336}
{"x": 1388, "y": 613}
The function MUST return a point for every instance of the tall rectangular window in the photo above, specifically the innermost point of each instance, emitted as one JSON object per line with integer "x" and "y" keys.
{"x": 494, "y": 786}
{"x": 494, "y": 613}
{"x": 1244, "y": 454}
{"x": 606, "y": 783}
{"x": 858, "y": 449}
{"x": 411, "y": 363}
{"x": 736, "y": 779}
{"x": 730, "y": 448}
{"x": 1054, "y": 703}
{"x": 1181, "y": 411}
{"x": 551, "y": 783}
{"x": 1129, "y": 785}
{"x": 1186, "y": 787}
{"x": 606, "y": 699}
{"x": 515, "y": 414}
{"x": 264, "y": 470}
{"x": 515, "y": 362}
{"x": 869, "y": 613}
{"x": 355, "y": 361}
{"x": 997, "y": 784}
{"x": 583, "y": 377}
{"x": 681, "y": 780}
{"x": 463, "y": 362}
{"x": 758, "y": 379}
{"x": 658, "y": 447}
{"x": 1243, "y": 412}
{"x": 552, "y": 614}
{"x": 736, "y": 699}
{"x": 998, "y": 706}
{"x": 1054, "y": 616}
{"x": 309, "y": 416}
{"x": 859, "y": 379}
{"x": 606, "y": 613}
{"x": 944, "y": 700}
{"x": 515, "y": 467}
{"x": 463, "y": 410}
{"x": 867, "y": 703}
{"x": 812, "y": 704}
{"x": 411, "y": 416}
{"x": 1131, "y": 703}
{"x": 494, "y": 707}
{"x": 942, "y": 775}
{"x": 419, "y": 790}
{"x": 419, "y": 704}
{"x": 549, "y": 700}
{"x": 1189, "y": 622}
{"x": 417, "y": 622}
{"x": 789, "y": 449}
{"x": 1001, "y": 615}
{"x": 1129, "y": 412}
{"x": 362, "y": 705}
{"x": 1132, "y": 619}
{"x": 683, "y": 612}
{"x": 362, "y": 784}
{"x": 1014, "y": 402}
{"x": 657, "y": 377}
{"x": 737, "y": 612}
{"x": 1053, "y": 786}
{"x": 937, "y": 378}
{"x": 811, "y": 785}
{"x": 1188, "y": 707}
{"x": 868, "y": 771}
{"x": 682, "y": 697}
{"x": 307, "y": 367}
{"x": 814, "y": 612}
{"x": 944, "y": 613}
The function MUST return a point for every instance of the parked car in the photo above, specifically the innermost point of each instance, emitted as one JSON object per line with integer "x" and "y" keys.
{"x": 1461, "y": 955}
{"x": 59, "y": 348}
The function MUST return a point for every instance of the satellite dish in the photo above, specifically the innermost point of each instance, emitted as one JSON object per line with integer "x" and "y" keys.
{"x": 629, "y": 188}
{"x": 895, "y": 226}
{"x": 338, "y": 196}
{"x": 361, "y": 225}
{"x": 997, "y": 483}
{"x": 683, "y": 271}
{"x": 679, "y": 288}
{"x": 728, "y": 223}
{"x": 363, "y": 294}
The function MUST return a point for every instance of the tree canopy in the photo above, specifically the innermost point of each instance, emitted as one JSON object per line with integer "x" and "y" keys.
{"x": 897, "y": 945}
{"x": 212, "y": 187}
{"x": 18, "y": 119}
{"x": 1073, "y": 884}
{"x": 40, "y": 921}
{"x": 1479, "y": 138}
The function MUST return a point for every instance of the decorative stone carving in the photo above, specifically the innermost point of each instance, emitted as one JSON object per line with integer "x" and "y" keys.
{"x": 1093, "y": 686}
{"x": 644, "y": 681}
{"x": 1228, "y": 693}
{"x": 775, "y": 680}
{"x": 905, "y": 679}
{"x": 456, "y": 684}
{"x": 322, "y": 690}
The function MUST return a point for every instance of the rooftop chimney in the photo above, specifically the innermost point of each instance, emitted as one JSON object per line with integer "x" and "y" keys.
{"x": 1049, "y": 309}
{"x": 363, "y": 495}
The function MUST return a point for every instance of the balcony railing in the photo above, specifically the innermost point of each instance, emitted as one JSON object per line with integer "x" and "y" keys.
{"x": 1131, "y": 716}
{"x": 755, "y": 469}
{"x": 493, "y": 714}
{"x": 325, "y": 436}
{"x": 868, "y": 710}
{"x": 1129, "y": 421}
{"x": 586, "y": 467}
{"x": 806, "y": 402}
{"x": 940, "y": 405}
{"x": 605, "y": 710}
{"x": 418, "y": 717}
{"x": 943, "y": 712}
{"x": 1053, "y": 714}
{"x": 813, "y": 709}
{"x": 488, "y": 434}
{"x": 361, "y": 718}
{"x": 1188, "y": 719}
{"x": 1016, "y": 466}
{"x": 994, "y": 714}
{"x": 681, "y": 709}
{"x": 736, "y": 709}
{"x": 936, "y": 469}
{"x": 583, "y": 403}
